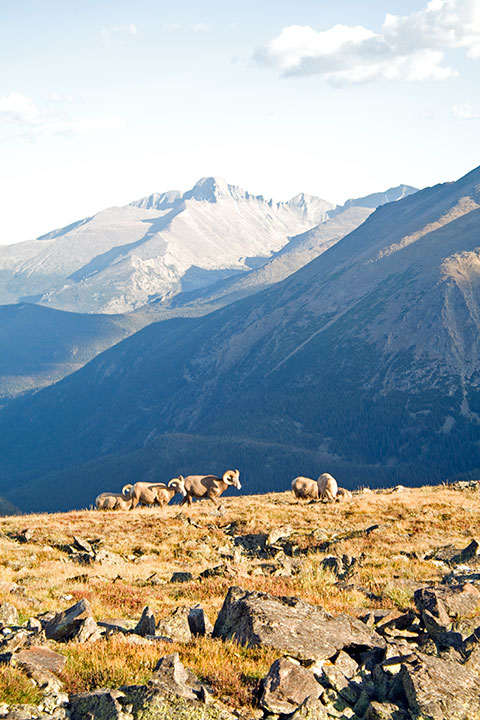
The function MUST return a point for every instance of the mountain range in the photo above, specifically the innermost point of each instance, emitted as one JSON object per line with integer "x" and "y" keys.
{"x": 364, "y": 362}
{"x": 42, "y": 345}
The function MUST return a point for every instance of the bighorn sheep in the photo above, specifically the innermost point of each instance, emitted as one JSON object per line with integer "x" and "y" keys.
{"x": 305, "y": 488}
{"x": 327, "y": 487}
{"x": 343, "y": 494}
{"x": 113, "y": 501}
{"x": 210, "y": 486}
{"x": 147, "y": 493}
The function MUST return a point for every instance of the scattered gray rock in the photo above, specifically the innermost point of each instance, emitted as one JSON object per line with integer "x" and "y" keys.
{"x": 170, "y": 675}
{"x": 287, "y": 685}
{"x": 291, "y": 625}
{"x": 180, "y": 577}
{"x": 146, "y": 624}
{"x": 176, "y": 626}
{"x": 198, "y": 622}
{"x": 65, "y": 625}
{"x": 88, "y": 631}
{"x": 40, "y": 657}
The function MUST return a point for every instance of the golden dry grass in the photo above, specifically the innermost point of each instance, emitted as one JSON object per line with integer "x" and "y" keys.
{"x": 150, "y": 543}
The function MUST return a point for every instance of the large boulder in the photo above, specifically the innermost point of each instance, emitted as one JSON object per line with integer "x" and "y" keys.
{"x": 304, "y": 631}
{"x": 287, "y": 685}
{"x": 437, "y": 689}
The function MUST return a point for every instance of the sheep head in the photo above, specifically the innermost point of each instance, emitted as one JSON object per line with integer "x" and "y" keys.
{"x": 178, "y": 484}
{"x": 126, "y": 490}
{"x": 232, "y": 477}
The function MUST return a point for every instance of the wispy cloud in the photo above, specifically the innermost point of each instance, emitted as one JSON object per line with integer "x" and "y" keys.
{"x": 466, "y": 111}
{"x": 108, "y": 33}
{"x": 200, "y": 27}
{"x": 24, "y": 112}
{"x": 409, "y": 47}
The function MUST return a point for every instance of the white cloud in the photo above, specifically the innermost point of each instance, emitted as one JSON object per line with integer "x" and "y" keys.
{"x": 107, "y": 33}
{"x": 467, "y": 111}
{"x": 19, "y": 108}
{"x": 23, "y": 111}
{"x": 409, "y": 48}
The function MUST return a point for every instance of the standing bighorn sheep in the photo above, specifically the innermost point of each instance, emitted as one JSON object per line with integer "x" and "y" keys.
{"x": 113, "y": 501}
{"x": 146, "y": 493}
{"x": 305, "y": 488}
{"x": 327, "y": 487}
{"x": 210, "y": 486}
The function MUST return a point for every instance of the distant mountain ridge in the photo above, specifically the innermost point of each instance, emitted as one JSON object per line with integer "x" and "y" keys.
{"x": 116, "y": 260}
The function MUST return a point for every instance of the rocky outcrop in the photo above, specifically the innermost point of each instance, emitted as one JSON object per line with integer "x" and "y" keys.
{"x": 305, "y": 631}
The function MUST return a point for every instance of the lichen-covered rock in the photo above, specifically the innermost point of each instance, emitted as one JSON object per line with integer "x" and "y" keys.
{"x": 8, "y": 614}
{"x": 101, "y": 704}
{"x": 302, "y": 630}
{"x": 147, "y": 703}
{"x": 176, "y": 626}
{"x": 170, "y": 675}
{"x": 287, "y": 685}
{"x": 384, "y": 711}
{"x": 310, "y": 709}
{"x": 438, "y": 689}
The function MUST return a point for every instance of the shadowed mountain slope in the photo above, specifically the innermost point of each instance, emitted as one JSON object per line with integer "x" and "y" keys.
{"x": 39, "y": 346}
{"x": 368, "y": 356}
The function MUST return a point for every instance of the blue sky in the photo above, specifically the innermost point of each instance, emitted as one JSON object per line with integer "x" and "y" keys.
{"x": 104, "y": 101}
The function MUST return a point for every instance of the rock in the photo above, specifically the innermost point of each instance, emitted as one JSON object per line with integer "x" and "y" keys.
{"x": 146, "y": 624}
{"x": 346, "y": 664}
{"x": 81, "y": 544}
{"x": 87, "y": 631}
{"x": 98, "y": 705}
{"x": 176, "y": 626}
{"x": 287, "y": 685}
{"x": 117, "y": 625}
{"x": 218, "y": 571}
{"x": 453, "y": 556}
{"x": 65, "y": 625}
{"x": 8, "y": 614}
{"x": 181, "y": 577}
{"x": 40, "y": 657}
{"x": 277, "y": 534}
{"x": 198, "y": 622}
{"x": 310, "y": 709}
{"x": 438, "y": 689}
{"x": 171, "y": 676}
{"x": 337, "y": 680}
{"x": 384, "y": 711}
{"x": 104, "y": 557}
{"x": 149, "y": 703}
{"x": 291, "y": 625}
{"x": 439, "y": 606}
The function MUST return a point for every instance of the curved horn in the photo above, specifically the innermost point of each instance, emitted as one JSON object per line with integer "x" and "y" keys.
{"x": 126, "y": 490}
{"x": 226, "y": 475}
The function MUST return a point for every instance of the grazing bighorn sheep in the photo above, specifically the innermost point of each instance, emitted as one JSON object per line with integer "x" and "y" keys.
{"x": 305, "y": 488}
{"x": 343, "y": 494}
{"x": 210, "y": 486}
{"x": 113, "y": 501}
{"x": 327, "y": 487}
{"x": 147, "y": 493}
